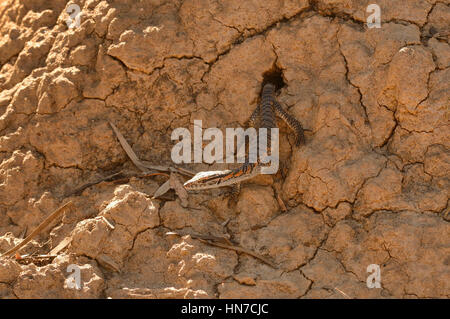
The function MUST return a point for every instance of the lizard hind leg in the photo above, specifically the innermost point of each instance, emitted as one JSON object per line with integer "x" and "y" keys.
{"x": 291, "y": 122}
{"x": 233, "y": 192}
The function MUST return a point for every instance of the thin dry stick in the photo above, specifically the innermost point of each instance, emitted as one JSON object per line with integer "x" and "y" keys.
{"x": 181, "y": 170}
{"x": 144, "y": 165}
{"x": 35, "y": 257}
{"x": 141, "y": 175}
{"x": 343, "y": 293}
{"x": 83, "y": 187}
{"x": 164, "y": 188}
{"x": 127, "y": 148}
{"x": 153, "y": 174}
{"x": 63, "y": 244}
{"x": 225, "y": 243}
{"x": 147, "y": 164}
{"x": 35, "y": 232}
{"x": 110, "y": 178}
{"x": 128, "y": 177}
{"x": 281, "y": 203}
{"x": 176, "y": 184}
{"x": 242, "y": 250}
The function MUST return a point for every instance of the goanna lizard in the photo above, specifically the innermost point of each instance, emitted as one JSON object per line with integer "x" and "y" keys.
{"x": 264, "y": 117}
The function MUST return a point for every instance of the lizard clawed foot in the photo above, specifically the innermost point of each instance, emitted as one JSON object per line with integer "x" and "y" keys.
{"x": 233, "y": 193}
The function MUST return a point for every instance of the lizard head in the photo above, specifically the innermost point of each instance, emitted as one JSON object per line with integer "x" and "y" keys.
{"x": 205, "y": 180}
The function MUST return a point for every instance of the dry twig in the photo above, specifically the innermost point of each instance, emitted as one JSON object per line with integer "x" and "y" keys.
{"x": 224, "y": 242}
{"x": 35, "y": 232}
{"x": 144, "y": 165}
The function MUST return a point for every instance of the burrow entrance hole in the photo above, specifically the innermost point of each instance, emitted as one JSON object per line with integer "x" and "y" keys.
{"x": 274, "y": 76}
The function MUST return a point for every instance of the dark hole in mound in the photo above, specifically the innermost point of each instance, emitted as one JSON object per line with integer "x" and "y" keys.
{"x": 274, "y": 76}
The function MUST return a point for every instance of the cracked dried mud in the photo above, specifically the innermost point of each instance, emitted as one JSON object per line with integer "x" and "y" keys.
{"x": 370, "y": 186}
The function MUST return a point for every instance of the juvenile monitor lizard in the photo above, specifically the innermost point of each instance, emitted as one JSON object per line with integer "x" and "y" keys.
{"x": 263, "y": 117}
